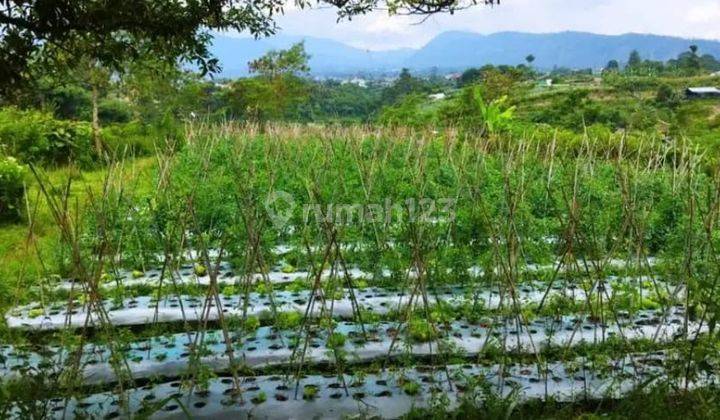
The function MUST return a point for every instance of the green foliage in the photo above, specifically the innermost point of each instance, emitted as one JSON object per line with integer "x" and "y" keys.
{"x": 12, "y": 188}
{"x": 408, "y": 112}
{"x": 310, "y": 392}
{"x": 405, "y": 85}
{"x": 37, "y": 137}
{"x": 288, "y": 320}
{"x": 228, "y": 290}
{"x": 411, "y": 388}
{"x": 200, "y": 270}
{"x": 634, "y": 61}
{"x": 498, "y": 80}
{"x": 345, "y": 102}
{"x": 277, "y": 92}
{"x": 262, "y": 99}
{"x": 136, "y": 138}
{"x": 667, "y": 96}
{"x": 470, "y": 110}
{"x": 252, "y": 323}
{"x": 275, "y": 63}
{"x": 577, "y": 110}
{"x": 113, "y": 110}
{"x": 336, "y": 341}
{"x": 69, "y": 102}
{"x": 421, "y": 330}
{"x": 612, "y": 65}
{"x": 260, "y": 398}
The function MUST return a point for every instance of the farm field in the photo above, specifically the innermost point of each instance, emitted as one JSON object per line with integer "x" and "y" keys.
{"x": 382, "y": 272}
{"x": 359, "y": 209}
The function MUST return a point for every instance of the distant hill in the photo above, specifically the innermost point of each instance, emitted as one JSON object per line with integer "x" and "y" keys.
{"x": 328, "y": 57}
{"x": 459, "y": 50}
{"x": 563, "y": 49}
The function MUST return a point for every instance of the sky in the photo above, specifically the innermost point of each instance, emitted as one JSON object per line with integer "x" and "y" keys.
{"x": 378, "y": 31}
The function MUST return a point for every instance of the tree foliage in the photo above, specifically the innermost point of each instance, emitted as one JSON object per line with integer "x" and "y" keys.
{"x": 112, "y": 32}
{"x": 276, "y": 90}
{"x": 406, "y": 84}
{"x": 277, "y": 63}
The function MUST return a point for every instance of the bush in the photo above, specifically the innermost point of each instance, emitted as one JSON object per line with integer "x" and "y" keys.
{"x": 667, "y": 96}
{"x": 114, "y": 111}
{"x": 12, "y": 189}
{"x": 408, "y": 112}
{"x": 37, "y": 137}
{"x": 136, "y": 138}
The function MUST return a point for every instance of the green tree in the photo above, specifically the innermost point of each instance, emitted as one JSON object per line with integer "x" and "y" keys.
{"x": 275, "y": 63}
{"x": 530, "y": 59}
{"x": 407, "y": 111}
{"x": 634, "y": 61}
{"x": 709, "y": 62}
{"x": 694, "y": 61}
{"x": 469, "y": 76}
{"x": 496, "y": 84}
{"x": 119, "y": 31}
{"x": 276, "y": 90}
{"x": 612, "y": 65}
{"x": 667, "y": 96}
{"x": 406, "y": 84}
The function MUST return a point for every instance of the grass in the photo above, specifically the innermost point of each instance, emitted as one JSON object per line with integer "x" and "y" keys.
{"x": 29, "y": 251}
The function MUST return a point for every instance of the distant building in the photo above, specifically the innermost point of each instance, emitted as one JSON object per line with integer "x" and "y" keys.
{"x": 453, "y": 76}
{"x": 357, "y": 81}
{"x": 702, "y": 92}
{"x": 436, "y": 96}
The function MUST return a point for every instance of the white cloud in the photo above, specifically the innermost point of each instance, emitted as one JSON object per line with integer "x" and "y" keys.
{"x": 379, "y": 31}
{"x": 704, "y": 13}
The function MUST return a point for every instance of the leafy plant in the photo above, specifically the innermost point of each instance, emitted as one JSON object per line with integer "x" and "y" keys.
{"x": 288, "y": 320}
{"x": 35, "y": 136}
{"x": 200, "y": 270}
{"x": 411, "y": 388}
{"x": 336, "y": 341}
{"x": 421, "y": 330}
{"x": 259, "y": 398}
{"x": 12, "y": 188}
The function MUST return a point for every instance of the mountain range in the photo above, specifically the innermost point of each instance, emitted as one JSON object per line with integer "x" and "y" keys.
{"x": 455, "y": 51}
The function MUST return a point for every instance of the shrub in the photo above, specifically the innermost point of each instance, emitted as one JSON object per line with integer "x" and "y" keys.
{"x": 35, "y": 136}
{"x": 667, "y": 96}
{"x": 138, "y": 138}
{"x": 133, "y": 138}
{"x": 12, "y": 189}
{"x": 114, "y": 111}
{"x": 408, "y": 112}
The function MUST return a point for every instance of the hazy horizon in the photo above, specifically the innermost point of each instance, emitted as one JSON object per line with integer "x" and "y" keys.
{"x": 280, "y": 33}
{"x": 378, "y": 31}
